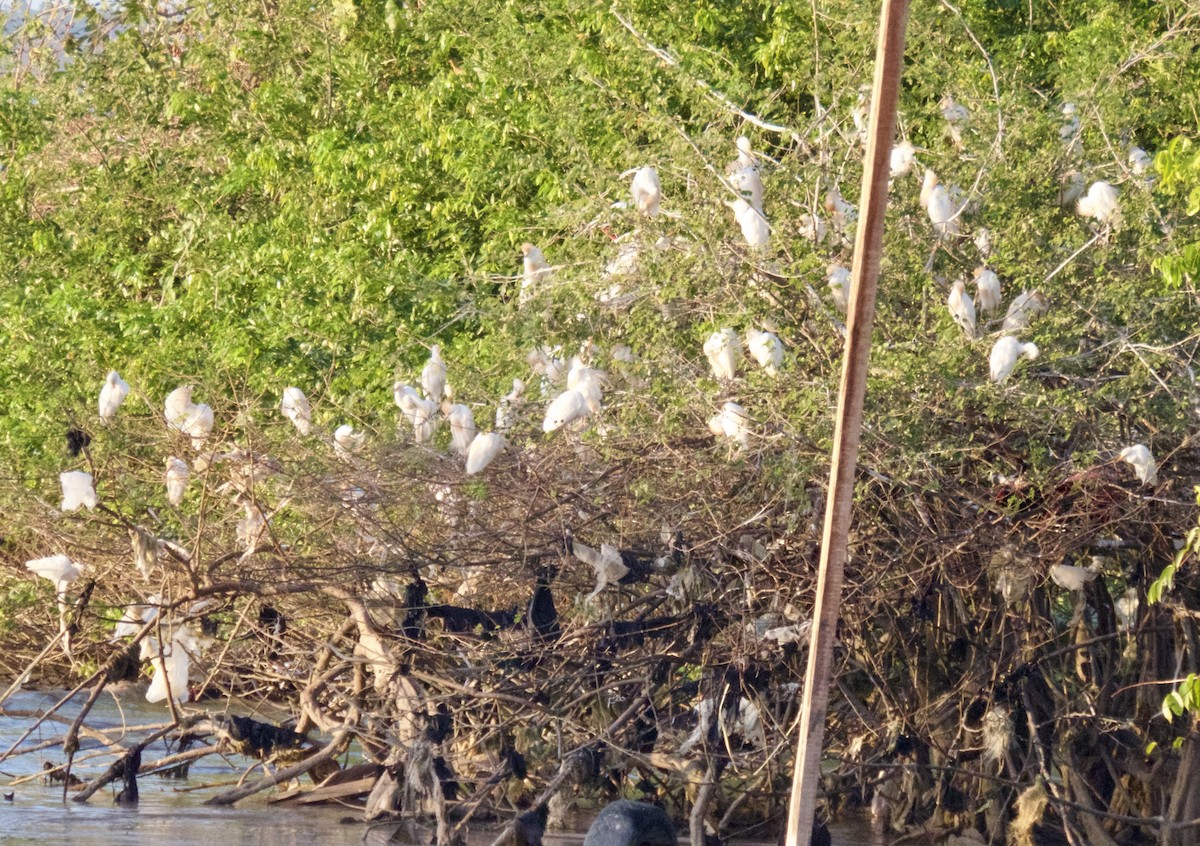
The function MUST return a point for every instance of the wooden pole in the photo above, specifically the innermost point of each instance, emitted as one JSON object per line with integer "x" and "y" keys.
{"x": 865, "y": 274}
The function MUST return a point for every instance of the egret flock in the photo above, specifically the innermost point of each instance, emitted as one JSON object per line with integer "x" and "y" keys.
{"x": 430, "y": 401}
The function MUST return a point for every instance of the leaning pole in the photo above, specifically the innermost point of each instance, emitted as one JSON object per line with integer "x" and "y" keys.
{"x": 868, "y": 247}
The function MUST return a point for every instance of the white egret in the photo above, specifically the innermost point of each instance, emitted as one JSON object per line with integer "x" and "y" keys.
{"x": 483, "y": 449}
{"x": 112, "y": 395}
{"x": 1073, "y": 578}
{"x": 250, "y": 529}
{"x": 198, "y": 424}
{"x": 744, "y": 176}
{"x": 62, "y": 571}
{"x": 566, "y": 408}
{"x": 176, "y": 479}
{"x": 983, "y": 242}
{"x": 766, "y": 349}
{"x": 1140, "y": 161}
{"x": 1005, "y": 353}
{"x": 295, "y": 407}
{"x": 535, "y": 270}
{"x": 812, "y": 227}
{"x": 171, "y": 669}
{"x": 904, "y": 155}
{"x": 605, "y": 562}
{"x": 754, "y": 226}
{"x": 956, "y": 116}
{"x": 462, "y": 426}
{"x": 941, "y": 208}
{"x": 647, "y": 191}
{"x": 840, "y": 212}
{"x": 1025, "y": 307}
{"x": 177, "y": 406}
{"x": 347, "y": 442}
{"x": 587, "y": 381}
{"x": 1127, "y": 608}
{"x": 433, "y": 375}
{"x": 987, "y": 285}
{"x": 861, "y": 112}
{"x": 1070, "y": 124}
{"x": 733, "y": 423}
{"x": 837, "y": 278}
{"x": 134, "y": 617}
{"x": 509, "y": 404}
{"x": 1139, "y": 458}
{"x": 1100, "y": 203}
{"x": 962, "y": 308}
{"x": 1070, "y": 188}
{"x": 425, "y": 420}
{"x": 723, "y": 350}
{"x": 77, "y": 490}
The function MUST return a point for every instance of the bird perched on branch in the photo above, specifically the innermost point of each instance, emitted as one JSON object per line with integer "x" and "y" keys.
{"x": 1139, "y": 458}
{"x": 962, "y": 308}
{"x": 956, "y": 116}
{"x": 752, "y": 222}
{"x": 77, "y": 490}
{"x": 347, "y": 442}
{"x": 535, "y": 270}
{"x": 1100, "y": 203}
{"x": 112, "y": 395}
{"x": 904, "y": 156}
{"x": 295, "y": 408}
{"x": 766, "y": 349}
{"x": 483, "y": 450}
{"x": 566, "y": 408}
{"x": 723, "y": 350}
{"x": 837, "y": 278}
{"x": 987, "y": 285}
{"x": 733, "y": 423}
{"x": 1073, "y": 578}
{"x": 62, "y": 571}
{"x": 1024, "y": 308}
{"x": 940, "y": 206}
{"x": 508, "y": 406}
{"x": 177, "y": 479}
{"x": 433, "y": 375}
{"x": 647, "y": 191}
{"x": 1004, "y": 356}
{"x": 743, "y": 174}
{"x": 606, "y": 562}
{"x": 462, "y": 426}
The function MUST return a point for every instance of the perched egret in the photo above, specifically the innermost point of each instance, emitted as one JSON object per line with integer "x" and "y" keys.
{"x": 587, "y": 381}
{"x": 1099, "y": 203}
{"x": 566, "y": 408}
{"x": 347, "y": 442}
{"x": 1005, "y": 353}
{"x": 198, "y": 424}
{"x": 1127, "y": 608}
{"x": 766, "y": 349}
{"x": 840, "y": 212}
{"x": 629, "y": 823}
{"x": 904, "y": 155}
{"x": 1140, "y": 161}
{"x": 535, "y": 270}
{"x": 962, "y": 308}
{"x": 940, "y": 206}
{"x": 177, "y": 479}
{"x": 647, "y": 191}
{"x": 956, "y": 116}
{"x": 77, "y": 490}
{"x": 812, "y": 227}
{"x": 754, "y": 226}
{"x": 546, "y": 362}
{"x": 425, "y": 420}
{"x": 295, "y": 407}
{"x": 508, "y": 406}
{"x": 433, "y": 375}
{"x": 723, "y": 350}
{"x": 1025, "y": 307}
{"x": 1138, "y": 456}
{"x": 987, "y": 285}
{"x": 1070, "y": 188}
{"x": 605, "y": 561}
{"x": 134, "y": 617}
{"x": 861, "y": 112}
{"x": 483, "y": 449}
{"x": 404, "y": 395}
{"x": 837, "y": 278}
{"x": 177, "y": 406}
{"x": 462, "y": 426}
{"x": 744, "y": 176}
{"x": 112, "y": 395}
{"x": 1070, "y": 577}
{"x": 733, "y": 423}
{"x": 983, "y": 242}
{"x": 62, "y": 571}
{"x": 250, "y": 529}
{"x": 171, "y": 669}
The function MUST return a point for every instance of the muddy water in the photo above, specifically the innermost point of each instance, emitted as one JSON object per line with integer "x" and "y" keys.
{"x": 170, "y": 811}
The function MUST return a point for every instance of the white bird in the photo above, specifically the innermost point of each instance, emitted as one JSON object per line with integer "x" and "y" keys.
{"x": 1005, "y": 353}
{"x": 1070, "y": 124}
{"x": 723, "y": 350}
{"x": 1070, "y": 188}
{"x": 812, "y": 227}
{"x": 403, "y": 395}
{"x": 77, "y": 490}
{"x": 733, "y": 422}
{"x": 956, "y": 115}
{"x": 566, "y": 408}
{"x": 962, "y": 308}
{"x": 766, "y": 349}
{"x": 462, "y": 426}
{"x": 1073, "y": 578}
{"x": 837, "y": 278}
{"x": 1140, "y": 161}
{"x": 754, "y": 226}
{"x": 606, "y": 562}
{"x": 840, "y": 212}
{"x": 177, "y": 479}
{"x": 177, "y": 406}
{"x": 433, "y": 375}
{"x": 941, "y": 208}
{"x": 198, "y": 424}
{"x": 171, "y": 670}
{"x": 587, "y": 381}
{"x": 112, "y": 395}
{"x": 1099, "y": 203}
{"x": 1127, "y": 608}
{"x": 483, "y": 449}
{"x": 425, "y": 420}
{"x": 987, "y": 285}
{"x": 134, "y": 617}
{"x": 295, "y": 407}
{"x": 62, "y": 571}
{"x": 545, "y": 362}
{"x": 1024, "y": 308}
{"x": 904, "y": 155}
{"x": 1138, "y": 456}
{"x": 509, "y": 404}
{"x": 535, "y": 270}
{"x": 983, "y": 242}
{"x": 743, "y": 174}
{"x": 347, "y": 442}
{"x": 861, "y": 113}
{"x": 251, "y": 527}
{"x": 647, "y": 191}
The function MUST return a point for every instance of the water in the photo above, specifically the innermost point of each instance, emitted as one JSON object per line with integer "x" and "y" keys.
{"x": 171, "y": 810}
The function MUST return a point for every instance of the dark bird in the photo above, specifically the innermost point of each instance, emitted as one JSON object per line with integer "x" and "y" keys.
{"x": 543, "y": 616}
{"x": 77, "y": 441}
{"x": 626, "y": 823}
